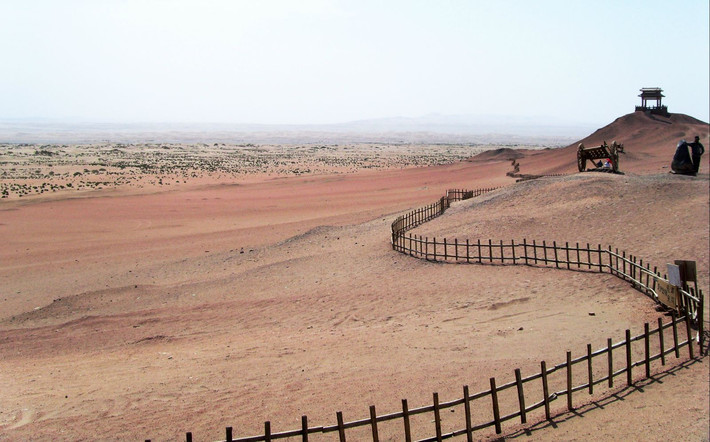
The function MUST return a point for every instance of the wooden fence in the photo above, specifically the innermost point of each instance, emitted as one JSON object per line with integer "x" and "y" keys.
{"x": 589, "y": 371}
{"x": 427, "y": 213}
{"x": 567, "y": 256}
{"x": 594, "y": 369}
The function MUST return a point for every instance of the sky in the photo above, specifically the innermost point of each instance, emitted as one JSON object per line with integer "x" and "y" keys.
{"x": 322, "y": 62}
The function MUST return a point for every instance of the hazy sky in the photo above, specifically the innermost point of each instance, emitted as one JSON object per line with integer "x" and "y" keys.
{"x": 310, "y": 61}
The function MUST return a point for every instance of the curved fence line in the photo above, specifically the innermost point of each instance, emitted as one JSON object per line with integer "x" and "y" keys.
{"x": 587, "y": 257}
{"x": 590, "y": 371}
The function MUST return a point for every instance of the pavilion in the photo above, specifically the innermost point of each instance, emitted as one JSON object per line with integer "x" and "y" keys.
{"x": 650, "y": 94}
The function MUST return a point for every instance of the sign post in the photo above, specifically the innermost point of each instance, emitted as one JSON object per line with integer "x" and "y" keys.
{"x": 688, "y": 273}
{"x": 674, "y": 276}
{"x": 673, "y": 286}
{"x": 667, "y": 294}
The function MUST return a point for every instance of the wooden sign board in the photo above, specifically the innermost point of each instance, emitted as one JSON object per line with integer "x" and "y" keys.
{"x": 667, "y": 294}
{"x": 688, "y": 271}
{"x": 674, "y": 275}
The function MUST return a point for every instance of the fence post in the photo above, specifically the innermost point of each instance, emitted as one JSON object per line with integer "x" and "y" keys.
{"x": 567, "y": 251}
{"x": 479, "y": 251}
{"x": 341, "y": 426}
{"x": 437, "y": 417}
{"x": 468, "y": 251}
{"x": 629, "y": 377}
{"x": 521, "y": 396}
{"x": 545, "y": 390}
{"x": 188, "y": 437}
{"x": 647, "y": 348}
{"x": 502, "y": 257}
{"x": 612, "y": 268}
{"x": 405, "y": 418}
{"x": 512, "y": 247}
{"x": 304, "y": 428}
{"x": 689, "y": 334}
{"x": 229, "y": 434}
{"x": 373, "y": 423}
{"x": 535, "y": 251}
{"x": 435, "y": 248}
{"x": 267, "y": 431}
{"x": 467, "y": 412}
{"x": 589, "y": 256}
{"x": 554, "y": 249}
{"x": 525, "y": 250}
{"x": 660, "y": 341}
{"x": 544, "y": 250}
{"x": 691, "y": 303}
{"x": 490, "y": 250}
{"x": 496, "y": 410}
{"x": 599, "y": 251}
{"x": 675, "y": 334}
{"x": 610, "y": 361}
{"x": 569, "y": 381}
{"x": 701, "y": 318}
{"x": 590, "y": 373}
{"x": 445, "y": 250}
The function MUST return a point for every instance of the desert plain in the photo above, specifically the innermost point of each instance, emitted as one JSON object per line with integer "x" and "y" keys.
{"x": 151, "y": 290}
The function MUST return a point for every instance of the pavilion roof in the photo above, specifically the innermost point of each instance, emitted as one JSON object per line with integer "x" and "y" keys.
{"x": 651, "y": 92}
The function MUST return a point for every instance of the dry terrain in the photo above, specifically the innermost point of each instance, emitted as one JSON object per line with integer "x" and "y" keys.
{"x": 235, "y": 296}
{"x": 51, "y": 170}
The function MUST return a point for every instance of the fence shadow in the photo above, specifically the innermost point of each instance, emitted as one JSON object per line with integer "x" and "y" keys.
{"x": 619, "y": 395}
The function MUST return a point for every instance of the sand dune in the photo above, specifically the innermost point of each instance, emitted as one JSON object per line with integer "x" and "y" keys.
{"x": 649, "y": 142}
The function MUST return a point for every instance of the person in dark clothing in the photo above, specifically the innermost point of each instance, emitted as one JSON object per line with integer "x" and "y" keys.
{"x": 697, "y": 150}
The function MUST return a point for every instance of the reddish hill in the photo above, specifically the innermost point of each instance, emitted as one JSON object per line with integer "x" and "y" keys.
{"x": 501, "y": 154}
{"x": 649, "y": 143}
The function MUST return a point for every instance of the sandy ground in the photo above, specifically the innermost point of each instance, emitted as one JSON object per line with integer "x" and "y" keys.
{"x": 132, "y": 315}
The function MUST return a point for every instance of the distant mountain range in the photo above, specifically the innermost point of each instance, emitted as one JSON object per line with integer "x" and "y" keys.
{"x": 470, "y": 124}
{"x": 432, "y": 128}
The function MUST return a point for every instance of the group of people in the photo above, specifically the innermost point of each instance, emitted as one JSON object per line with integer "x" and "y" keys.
{"x": 686, "y": 160}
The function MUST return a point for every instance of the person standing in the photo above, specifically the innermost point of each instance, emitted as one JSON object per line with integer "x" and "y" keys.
{"x": 697, "y": 150}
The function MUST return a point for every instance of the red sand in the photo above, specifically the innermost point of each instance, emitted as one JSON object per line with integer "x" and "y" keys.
{"x": 145, "y": 316}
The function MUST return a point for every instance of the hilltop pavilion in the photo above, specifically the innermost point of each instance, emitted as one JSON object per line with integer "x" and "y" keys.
{"x": 650, "y": 94}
